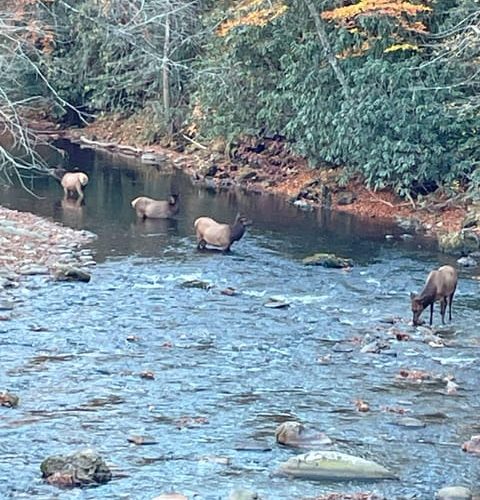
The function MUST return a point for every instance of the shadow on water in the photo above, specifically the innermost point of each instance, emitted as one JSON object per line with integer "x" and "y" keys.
{"x": 227, "y": 369}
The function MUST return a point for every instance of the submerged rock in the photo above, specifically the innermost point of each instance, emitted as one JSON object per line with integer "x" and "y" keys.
{"x": 410, "y": 422}
{"x": 70, "y": 273}
{"x": 333, "y": 465}
{"x": 83, "y": 468}
{"x": 454, "y": 493}
{"x": 327, "y": 260}
{"x": 8, "y": 399}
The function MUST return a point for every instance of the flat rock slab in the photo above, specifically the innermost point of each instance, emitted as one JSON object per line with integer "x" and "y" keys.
{"x": 333, "y": 466}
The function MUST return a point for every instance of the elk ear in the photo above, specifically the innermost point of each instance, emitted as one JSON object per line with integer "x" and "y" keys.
{"x": 412, "y": 295}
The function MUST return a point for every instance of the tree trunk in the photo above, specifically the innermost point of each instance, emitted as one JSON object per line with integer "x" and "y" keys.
{"x": 166, "y": 78}
{"x": 322, "y": 36}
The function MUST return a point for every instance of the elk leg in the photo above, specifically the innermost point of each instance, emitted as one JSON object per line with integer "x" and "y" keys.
{"x": 443, "y": 308}
{"x": 450, "y": 300}
{"x": 78, "y": 188}
{"x": 431, "y": 314}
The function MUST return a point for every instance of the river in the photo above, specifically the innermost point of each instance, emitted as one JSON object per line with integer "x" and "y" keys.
{"x": 227, "y": 369}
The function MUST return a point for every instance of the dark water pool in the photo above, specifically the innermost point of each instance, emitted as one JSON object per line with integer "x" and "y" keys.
{"x": 227, "y": 369}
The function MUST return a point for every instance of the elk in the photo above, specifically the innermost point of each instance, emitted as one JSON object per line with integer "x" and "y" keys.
{"x": 440, "y": 286}
{"x": 220, "y": 235}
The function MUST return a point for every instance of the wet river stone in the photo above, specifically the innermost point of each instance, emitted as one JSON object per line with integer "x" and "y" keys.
{"x": 454, "y": 493}
{"x": 294, "y": 434}
{"x": 332, "y": 465}
{"x": 8, "y": 399}
{"x": 83, "y": 468}
{"x": 327, "y": 260}
{"x": 70, "y": 273}
{"x": 242, "y": 494}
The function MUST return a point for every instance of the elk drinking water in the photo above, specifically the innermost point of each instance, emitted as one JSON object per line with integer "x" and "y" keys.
{"x": 440, "y": 285}
{"x": 213, "y": 233}
{"x": 148, "y": 208}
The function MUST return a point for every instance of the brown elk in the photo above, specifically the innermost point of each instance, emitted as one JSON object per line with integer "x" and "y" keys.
{"x": 220, "y": 235}
{"x": 440, "y": 285}
{"x": 148, "y": 208}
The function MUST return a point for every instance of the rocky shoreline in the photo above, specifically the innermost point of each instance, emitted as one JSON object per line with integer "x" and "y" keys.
{"x": 31, "y": 245}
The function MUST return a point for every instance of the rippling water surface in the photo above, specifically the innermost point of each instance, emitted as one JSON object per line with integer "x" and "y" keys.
{"x": 227, "y": 369}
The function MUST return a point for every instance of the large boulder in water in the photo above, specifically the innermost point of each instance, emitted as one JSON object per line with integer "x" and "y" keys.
{"x": 333, "y": 465}
{"x": 83, "y": 468}
{"x": 327, "y": 260}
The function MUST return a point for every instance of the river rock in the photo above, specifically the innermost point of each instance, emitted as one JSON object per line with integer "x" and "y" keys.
{"x": 152, "y": 158}
{"x": 303, "y": 205}
{"x": 346, "y": 198}
{"x": 472, "y": 446}
{"x": 70, "y": 273}
{"x": 33, "y": 270}
{"x": 294, "y": 434}
{"x": 458, "y": 242}
{"x": 408, "y": 223}
{"x": 203, "y": 285}
{"x": 333, "y": 465}
{"x": 8, "y": 399}
{"x": 242, "y": 494}
{"x": 467, "y": 261}
{"x": 83, "y": 468}
{"x": 454, "y": 493}
{"x": 246, "y": 173}
{"x": 327, "y": 260}
{"x": 276, "y": 304}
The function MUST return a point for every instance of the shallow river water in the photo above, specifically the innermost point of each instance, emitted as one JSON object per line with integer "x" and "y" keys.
{"x": 227, "y": 369}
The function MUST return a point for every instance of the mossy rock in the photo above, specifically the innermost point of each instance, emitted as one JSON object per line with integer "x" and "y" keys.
{"x": 83, "y": 468}
{"x": 327, "y": 260}
{"x": 458, "y": 243}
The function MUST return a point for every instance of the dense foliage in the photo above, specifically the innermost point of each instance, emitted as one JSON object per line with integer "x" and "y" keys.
{"x": 388, "y": 89}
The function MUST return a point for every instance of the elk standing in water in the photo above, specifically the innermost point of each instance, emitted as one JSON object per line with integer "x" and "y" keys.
{"x": 211, "y": 232}
{"x": 440, "y": 285}
{"x": 72, "y": 182}
{"x": 148, "y": 208}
